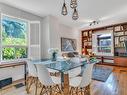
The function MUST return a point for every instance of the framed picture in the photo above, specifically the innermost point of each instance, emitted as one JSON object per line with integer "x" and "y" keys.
{"x": 68, "y": 44}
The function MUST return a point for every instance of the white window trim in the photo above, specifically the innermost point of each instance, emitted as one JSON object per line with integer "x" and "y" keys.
{"x": 1, "y": 46}
{"x": 95, "y": 46}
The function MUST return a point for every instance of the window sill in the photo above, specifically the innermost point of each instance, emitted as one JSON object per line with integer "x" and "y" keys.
{"x": 12, "y": 64}
{"x": 13, "y": 61}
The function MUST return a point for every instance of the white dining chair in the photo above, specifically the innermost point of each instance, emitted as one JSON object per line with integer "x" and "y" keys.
{"x": 50, "y": 84}
{"x": 76, "y": 71}
{"x": 32, "y": 77}
{"x": 82, "y": 84}
{"x": 53, "y": 72}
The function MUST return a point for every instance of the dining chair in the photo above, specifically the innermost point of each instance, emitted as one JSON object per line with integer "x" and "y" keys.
{"x": 53, "y": 72}
{"x": 32, "y": 77}
{"x": 76, "y": 71}
{"x": 82, "y": 84}
{"x": 49, "y": 84}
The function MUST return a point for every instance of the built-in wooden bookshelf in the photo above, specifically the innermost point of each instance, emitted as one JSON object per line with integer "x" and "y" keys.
{"x": 86, "y": 42}
{"x": 119, "y": 34}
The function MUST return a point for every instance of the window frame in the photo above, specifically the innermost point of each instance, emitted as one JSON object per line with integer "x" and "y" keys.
{"x": 2, "y": 15}
{"x": 95, "y": 43}
{"x": 100, "y": 46}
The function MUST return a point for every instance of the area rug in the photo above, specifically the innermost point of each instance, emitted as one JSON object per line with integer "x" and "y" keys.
{"x": 101, "y": 73}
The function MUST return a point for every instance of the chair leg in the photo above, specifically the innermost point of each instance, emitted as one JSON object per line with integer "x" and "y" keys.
{"x": 58, "y": 88}
{"x": 50, "y": 90}
{"x": 70, "y": 91}
{"x": 29, "y": 83}
{"x": 81, "y": 91}
{"x": 76, "y": 90}
{"x": 88, "y": 89}
{"x": 27, "y": 80}
{"x": 36, "y": 83}
{"x": 43, "y": 90}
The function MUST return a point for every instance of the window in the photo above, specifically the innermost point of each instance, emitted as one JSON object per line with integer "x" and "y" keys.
{"x": 14, "y": 38}
{"x": 104, "y": 43}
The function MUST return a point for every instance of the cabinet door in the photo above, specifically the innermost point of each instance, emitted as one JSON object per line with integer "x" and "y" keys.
{"x": 34, "y": 40}
{"x": 120, "y": 61}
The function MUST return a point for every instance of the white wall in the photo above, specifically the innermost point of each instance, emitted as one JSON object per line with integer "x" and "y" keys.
{"x": 53, "y": 30}
{"x": 69, "y": 32}
{"x": 16, "y": 73}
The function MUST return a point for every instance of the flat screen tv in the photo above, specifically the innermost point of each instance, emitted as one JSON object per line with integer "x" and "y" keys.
{"x": 68, "y": 44}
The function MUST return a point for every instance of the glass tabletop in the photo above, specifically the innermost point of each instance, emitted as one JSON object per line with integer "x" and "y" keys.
{"x": 61, "y": 65}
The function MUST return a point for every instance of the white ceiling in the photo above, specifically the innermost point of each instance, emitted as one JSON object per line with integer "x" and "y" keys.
{"x": 107, "y": 11}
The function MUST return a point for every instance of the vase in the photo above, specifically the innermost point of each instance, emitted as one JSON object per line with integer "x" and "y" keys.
{"x": 54, "y": 56}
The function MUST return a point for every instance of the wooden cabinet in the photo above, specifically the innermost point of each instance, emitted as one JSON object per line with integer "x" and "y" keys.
{"x": 119, "y": 35}
{"x": 120, "y": 61}
{"x": 86, "y": 42}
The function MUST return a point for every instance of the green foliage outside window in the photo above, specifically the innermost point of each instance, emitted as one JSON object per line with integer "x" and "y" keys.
{"x": 14, "y": 53}
{"x": 14, "y": 35}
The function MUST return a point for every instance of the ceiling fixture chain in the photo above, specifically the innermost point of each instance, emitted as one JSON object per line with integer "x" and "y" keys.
{"x": 73, "y": 5}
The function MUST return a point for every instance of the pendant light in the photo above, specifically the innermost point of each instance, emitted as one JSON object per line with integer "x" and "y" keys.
{"x": 73, "y": 4}
{"x": 64, "y": 9}
{"x": 75, "y": 15}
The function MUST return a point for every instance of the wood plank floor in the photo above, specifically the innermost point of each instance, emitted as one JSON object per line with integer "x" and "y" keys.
{"x": 115, "y": 85}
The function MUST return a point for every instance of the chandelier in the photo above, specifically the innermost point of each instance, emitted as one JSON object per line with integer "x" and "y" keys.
{"x": 73, "y": 5}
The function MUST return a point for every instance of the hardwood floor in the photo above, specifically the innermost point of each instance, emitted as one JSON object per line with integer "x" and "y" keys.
{"x": 115, "y": 85}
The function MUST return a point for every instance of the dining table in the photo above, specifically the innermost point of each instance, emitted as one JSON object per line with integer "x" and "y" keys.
{"x": 63, "y": 66}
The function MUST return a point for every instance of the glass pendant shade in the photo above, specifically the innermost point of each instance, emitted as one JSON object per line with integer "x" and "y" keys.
{"x": 73, "y": 4}
{"x": 75, "y": 15}
{"x": 64, "y": 9}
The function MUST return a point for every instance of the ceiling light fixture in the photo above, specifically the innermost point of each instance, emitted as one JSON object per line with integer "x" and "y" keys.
{"x": 75, "y": 14}
{"x": 73, "y": 5}
{"x": 64, "y": 9}
{"x": 94, "y": 23}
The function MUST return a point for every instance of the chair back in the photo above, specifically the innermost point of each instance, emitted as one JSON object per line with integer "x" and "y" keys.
{"x": 75, "y": 60}
{"x": 74, "y": 72}
{"x": 31, "y": 69}
{"x": 87, "y": 75}
{"x": 43, "y": 75}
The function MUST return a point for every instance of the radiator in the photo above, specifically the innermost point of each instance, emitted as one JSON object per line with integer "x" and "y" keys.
{"x": 5, "y": 82}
